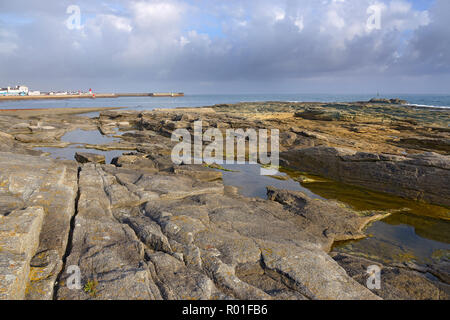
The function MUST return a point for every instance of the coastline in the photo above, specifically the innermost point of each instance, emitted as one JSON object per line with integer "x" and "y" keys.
{"x": 89, "y": 96}
{"x": 53, "y": 111}
{"x": 168, "y": 217}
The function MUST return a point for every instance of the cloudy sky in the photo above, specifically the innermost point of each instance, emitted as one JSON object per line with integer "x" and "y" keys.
{"x": 228, "y": 46}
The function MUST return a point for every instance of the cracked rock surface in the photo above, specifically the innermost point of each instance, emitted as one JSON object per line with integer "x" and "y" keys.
{"x": 163, "y": 235}
{"x": 157, "y": 238}
{"x": 45, "y": 189}
{"x": 144, "y": 228}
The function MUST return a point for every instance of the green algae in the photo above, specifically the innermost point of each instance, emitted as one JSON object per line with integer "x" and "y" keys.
{"x": 362, "y": 199}
{"x": 415, "y": 231}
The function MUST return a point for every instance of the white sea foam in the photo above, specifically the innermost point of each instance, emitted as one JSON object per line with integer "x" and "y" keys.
{"x": 429, "y": 106}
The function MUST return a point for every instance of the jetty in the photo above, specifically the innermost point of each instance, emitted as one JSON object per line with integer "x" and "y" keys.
{"x": 88, "y": 96}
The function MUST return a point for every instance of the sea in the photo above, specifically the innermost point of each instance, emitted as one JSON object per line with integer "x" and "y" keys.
{"x": 200, "y": 100}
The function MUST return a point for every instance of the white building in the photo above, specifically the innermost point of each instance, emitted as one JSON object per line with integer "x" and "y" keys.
{"x": 16, "y": 91}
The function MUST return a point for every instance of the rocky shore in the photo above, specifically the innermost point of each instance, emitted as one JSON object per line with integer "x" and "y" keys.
{"x": 142, "y": 227}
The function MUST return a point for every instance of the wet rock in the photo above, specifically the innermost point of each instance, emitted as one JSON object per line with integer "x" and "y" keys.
{"x": 322, "y": 115}
{"x": 83, "y": 157}
{"x": 388, "y": 101}
{"x": 418, "y": 177}
{"x": 440, "y": 269}
{"x": 325, "y": 219}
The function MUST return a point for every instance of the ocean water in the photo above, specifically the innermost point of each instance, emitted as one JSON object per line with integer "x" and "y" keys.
{"x": 199, "y": 100}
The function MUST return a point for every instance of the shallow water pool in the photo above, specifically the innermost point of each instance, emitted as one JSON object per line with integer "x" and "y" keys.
{"x": 78, "y": 139}
{"x": 414, "y": 232}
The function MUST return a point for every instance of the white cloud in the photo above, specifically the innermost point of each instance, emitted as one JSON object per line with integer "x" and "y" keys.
{"x": 257, "y": 40}
{"x": 157, "y": 14}
{"x": 299, "y": 23}
{"x": 278, "y": 14}
{"x": 120, "y": 23}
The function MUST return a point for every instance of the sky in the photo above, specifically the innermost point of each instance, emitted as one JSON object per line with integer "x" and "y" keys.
{"x": 228, "y": 46}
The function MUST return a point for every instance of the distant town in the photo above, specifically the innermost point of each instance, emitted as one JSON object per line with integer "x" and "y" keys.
{"x": 23, "y": 92}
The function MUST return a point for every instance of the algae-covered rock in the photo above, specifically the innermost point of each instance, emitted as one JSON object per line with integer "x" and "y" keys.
{"x": 419, "y": 177}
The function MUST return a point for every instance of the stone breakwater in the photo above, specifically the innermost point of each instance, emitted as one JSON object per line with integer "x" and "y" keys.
{"x": 144, "y": 228}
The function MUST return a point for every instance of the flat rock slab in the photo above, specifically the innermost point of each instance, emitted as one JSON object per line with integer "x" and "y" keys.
{"x": 19, "y": 240}
{"x": 30, "y": 181}
{"x": 84, "y": 157}
{"x": 171, "y": 236}
{"x": 396, "y": 283}
{"x": 329, "y": 221}
{"x": 421, "y": 177}
{"x": 313, "y": 273}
